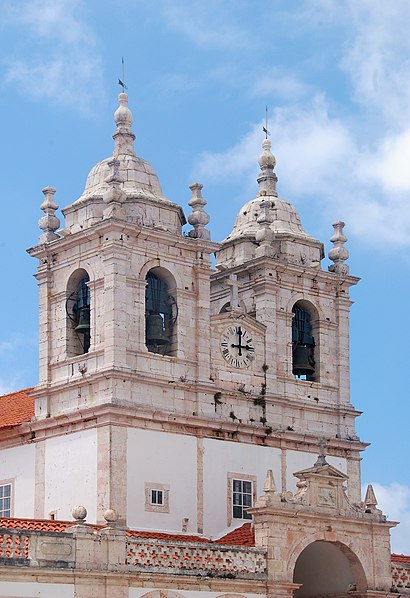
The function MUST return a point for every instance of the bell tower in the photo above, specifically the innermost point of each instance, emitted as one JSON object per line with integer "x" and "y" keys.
{"x": 299, "y": 374}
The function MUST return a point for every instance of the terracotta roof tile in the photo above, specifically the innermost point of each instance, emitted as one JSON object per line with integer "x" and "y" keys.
{"x": 44, "y": 525}
{"x": 52, "y": 525}
{"x": 16, "y": 408}
{"x": 400, "y": 558}
{"x": 241, "y": 536}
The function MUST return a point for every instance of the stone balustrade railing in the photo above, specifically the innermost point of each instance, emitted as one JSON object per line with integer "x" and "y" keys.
{"x": 197, "y": 559}
{"x": 401, "y": 577}
{"x": 84, "y": 548}
{"x": 14, "y": 546}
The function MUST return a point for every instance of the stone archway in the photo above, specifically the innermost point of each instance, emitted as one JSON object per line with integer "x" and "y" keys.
{"x": 328, "y": 569}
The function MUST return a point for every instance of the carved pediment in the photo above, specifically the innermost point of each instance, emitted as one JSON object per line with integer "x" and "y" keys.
{"x": 322, "y": 486}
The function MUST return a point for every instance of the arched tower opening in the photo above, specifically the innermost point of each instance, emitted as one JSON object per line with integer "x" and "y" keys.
{"x": 305, "y": 345}
{"x": 78, "y": 304}
{"x": 328, "y": 569}
{"x": 161, "y": 312}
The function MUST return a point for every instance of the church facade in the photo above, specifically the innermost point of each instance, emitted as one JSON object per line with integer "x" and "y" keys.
{"x": 191, "y": 433}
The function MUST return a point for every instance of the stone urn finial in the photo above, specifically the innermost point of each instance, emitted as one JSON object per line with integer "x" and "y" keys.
{"x": 48, "y": 223}
{"x": 338, "y": 254}
{"x": 198, "y": 217}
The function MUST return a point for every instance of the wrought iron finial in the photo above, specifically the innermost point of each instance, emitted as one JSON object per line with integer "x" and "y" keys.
{"x": 122, "y": 80}
{"x": 265, "y": 128}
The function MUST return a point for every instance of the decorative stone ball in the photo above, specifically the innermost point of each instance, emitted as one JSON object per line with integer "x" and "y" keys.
{"x": 79, "y": 513}
{"x": 111, "y": 516}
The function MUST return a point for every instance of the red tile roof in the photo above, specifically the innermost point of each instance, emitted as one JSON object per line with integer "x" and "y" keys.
{"x": 241, "y": 536}
{"x": 400, "y": 558}
{"x": 51, "y": 525}
{"x": 16, "y": 408}
{"x": 44, "y": 525}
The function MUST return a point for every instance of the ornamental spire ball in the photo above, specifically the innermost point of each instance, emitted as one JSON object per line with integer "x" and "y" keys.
{"x": 123, "y": 136}
{"x": 267, "y": 179}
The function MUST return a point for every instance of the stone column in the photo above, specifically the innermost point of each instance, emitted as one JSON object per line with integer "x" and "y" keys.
{"x": 112, "y": 472}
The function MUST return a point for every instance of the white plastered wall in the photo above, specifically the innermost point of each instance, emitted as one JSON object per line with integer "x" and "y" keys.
{"x": 222, "y": 457}
{"x": 18, "y": 465}
{"x": 71, "y": 474}
{"x": 162, "y": 458}
{"x": 35, "y": 590}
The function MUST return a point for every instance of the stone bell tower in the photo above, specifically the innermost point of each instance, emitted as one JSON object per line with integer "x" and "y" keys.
{"x": 122, "y": 240}
{"x": 303, "y": 377}
{"x": 122, "y": 290}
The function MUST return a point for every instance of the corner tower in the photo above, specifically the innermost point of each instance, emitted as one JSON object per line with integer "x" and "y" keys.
{"x": 297, "y": 314}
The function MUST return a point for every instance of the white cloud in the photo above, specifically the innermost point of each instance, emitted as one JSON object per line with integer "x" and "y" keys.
{"x": 209, "y": 24}
{"x": 394, "y": 501}
{"x": 64, "y": 59}
{"x": 280, "y": 84}
{"x": 377, "y": 59}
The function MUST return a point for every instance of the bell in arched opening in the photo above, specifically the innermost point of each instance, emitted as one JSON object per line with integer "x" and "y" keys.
{"x": 78, "y": 310}
{"x": 159, "y": 317}
{"x": 303, "y": 344}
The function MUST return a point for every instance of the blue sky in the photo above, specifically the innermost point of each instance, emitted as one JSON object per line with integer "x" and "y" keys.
{"x": 336, "y": 78}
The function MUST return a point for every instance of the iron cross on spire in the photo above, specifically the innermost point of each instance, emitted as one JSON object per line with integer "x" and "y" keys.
{"x": 265, "y": 128}
{"x": 121, "y": 81}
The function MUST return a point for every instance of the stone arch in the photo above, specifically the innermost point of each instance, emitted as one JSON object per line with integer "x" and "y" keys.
{"x": 162, "y": 594}
{"x": 167, "y": 269}
{"x": 306, "y": 351}
{"x": 78, "y": 313}
{"x": 325, "y": 555}
{"x": 231, "y": 596}
{"x": 161, "y": 311}
{"x": 223, "y": 306}
{"x": 308, "y": 301}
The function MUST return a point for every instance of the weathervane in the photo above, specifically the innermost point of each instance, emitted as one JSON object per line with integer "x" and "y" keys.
{"x": 265, "y": 128}
{"x": 121, "y": 81}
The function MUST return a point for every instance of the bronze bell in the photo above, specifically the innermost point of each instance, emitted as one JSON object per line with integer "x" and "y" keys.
{"x": 83, "y": 326}
{"x": 155, "y": 333}
{"x": 303, "y": 364}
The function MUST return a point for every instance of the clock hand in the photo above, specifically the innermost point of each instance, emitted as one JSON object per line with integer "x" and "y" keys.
{"x": 239, "y": 346}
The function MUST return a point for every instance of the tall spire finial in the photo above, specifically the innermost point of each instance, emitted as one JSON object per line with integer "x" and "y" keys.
{"x": 123, "y": 136}
{"x": 122, "y": 80}
{"x": 265, "y": 128}
{"x": 267, "y": 179}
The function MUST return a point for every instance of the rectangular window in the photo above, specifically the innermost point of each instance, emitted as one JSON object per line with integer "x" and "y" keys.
{"x": 242, "y": 493}
{"x": 5, "y": 500}
{"x": 157, "y": 497}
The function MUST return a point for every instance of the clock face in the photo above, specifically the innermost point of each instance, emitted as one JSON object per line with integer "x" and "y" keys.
{"x": 237, "y": 346}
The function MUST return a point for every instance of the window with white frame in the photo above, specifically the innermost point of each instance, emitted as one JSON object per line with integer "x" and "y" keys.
{"x": 5, "y": 500}
{"x": 241, "y": 496}
{"x": 242, "y": 493}
{"x": 156, "y": 497}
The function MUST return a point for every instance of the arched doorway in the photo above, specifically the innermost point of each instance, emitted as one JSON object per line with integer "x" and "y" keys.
{"x": 328, "y": 569}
